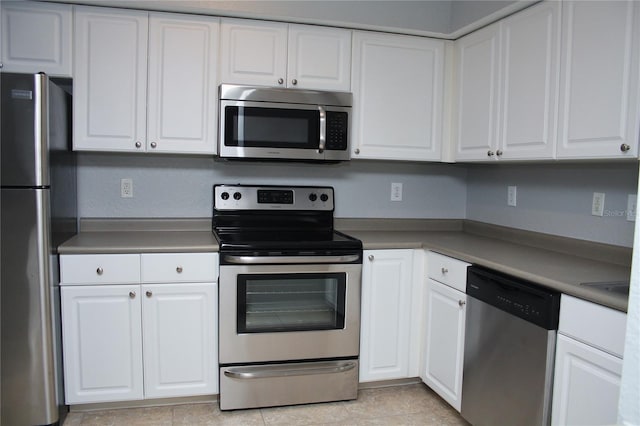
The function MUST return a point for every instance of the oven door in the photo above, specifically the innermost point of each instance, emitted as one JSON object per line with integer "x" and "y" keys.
{"x": 289, "y": 312}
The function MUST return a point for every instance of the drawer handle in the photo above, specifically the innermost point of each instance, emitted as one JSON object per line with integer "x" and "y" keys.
{"x": 179, "y": 269}
{"x": 625, "y": 147}
{"x": 461, "y": 303}
{"x": 132, "y": 294}
{"x": 444, "y": 270}
{"x": 371, "y": 257}
{"x": 149, "y": 294}
{"x": 99, "y": 271}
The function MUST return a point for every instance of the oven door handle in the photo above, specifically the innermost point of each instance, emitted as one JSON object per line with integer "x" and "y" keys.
{"x": 267, "y": 371}
{"x": 249, "y": 260}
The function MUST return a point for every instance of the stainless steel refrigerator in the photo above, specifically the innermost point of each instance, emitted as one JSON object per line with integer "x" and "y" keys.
{"x": 38, "y": 211}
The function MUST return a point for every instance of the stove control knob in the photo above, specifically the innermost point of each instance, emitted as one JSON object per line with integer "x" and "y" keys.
{"x": 324, "y": 197}
{"x": 224, "y": 195}
{"x": 313, "y": 197}
{"x": 237, "y": 195}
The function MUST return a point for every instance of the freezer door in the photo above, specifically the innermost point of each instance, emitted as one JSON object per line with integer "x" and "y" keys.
{"x": 28, "y": 366}
{"x": 24, "y": 150}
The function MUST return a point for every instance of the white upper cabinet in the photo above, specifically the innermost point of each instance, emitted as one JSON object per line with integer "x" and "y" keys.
{"x": 128, "y": 100}
{"x": 110, "y": 79}
{"x": 530, "y": 71}
{"x": 507, "y": 87}
{"x": 599, "y": 90}
{"x": 36, "y": 37}
{"x": 476, "y": 103}
{"x": 182, "y": 99}
{"x": 398, "y": 97}
{"x": 285, "y": 55}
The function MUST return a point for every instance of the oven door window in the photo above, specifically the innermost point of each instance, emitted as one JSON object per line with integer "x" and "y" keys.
{"x": 291, "y": 302}
{"x": 272, "y": 127}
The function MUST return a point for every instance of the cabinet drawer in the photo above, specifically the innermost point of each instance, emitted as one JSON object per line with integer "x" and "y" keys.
{"x": 99, "y": 269}
{"x": 447, "y": 270}
{"x": 179, "y": 267}
{"x": 593, "y": 324}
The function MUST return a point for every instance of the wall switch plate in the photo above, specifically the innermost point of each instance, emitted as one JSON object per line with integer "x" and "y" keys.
{"x": 396, "y": 191}
{"x": 632, "y": 205}
{"x": 126, "y": 188}
{"x": 512, "y": 194}
{"x": 597, "y": 204}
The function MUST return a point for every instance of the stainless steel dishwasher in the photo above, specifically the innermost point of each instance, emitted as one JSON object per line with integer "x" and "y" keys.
{"x": 510, "y": 340}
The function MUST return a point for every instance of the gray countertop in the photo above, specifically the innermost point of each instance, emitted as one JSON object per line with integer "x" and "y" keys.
{"x": 555, "y": 262}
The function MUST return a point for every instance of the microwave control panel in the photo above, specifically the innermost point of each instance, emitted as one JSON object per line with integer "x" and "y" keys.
{"x": 337, "y": 130}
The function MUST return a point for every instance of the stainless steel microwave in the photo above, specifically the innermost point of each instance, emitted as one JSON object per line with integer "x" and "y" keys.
{"x": 284, "y": 124}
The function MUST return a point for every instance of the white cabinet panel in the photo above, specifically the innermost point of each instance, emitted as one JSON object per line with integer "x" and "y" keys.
{"x": 447, "y": 270}
{"x": 182, "y": 103}
{"x": 319, "y": 58}
{"x": 102, "y": 343}
{"x": 599, "y": 90}
{"x": 444, "y": 346}
{"x": 180, "y": 339}
{"x": 253, "y": 52}
{"x": 110, "y": 79}
{"x": 397, "y": 86}
{"x": 386, "y": 316}
{"x": 36, "y": 37}
{"x": 83, "y": 269}
{"x": 586, "y": 385}
{"x": 179, "y": 267}
{"x": 530, "y": 64}
{"x": 476, "y": 123}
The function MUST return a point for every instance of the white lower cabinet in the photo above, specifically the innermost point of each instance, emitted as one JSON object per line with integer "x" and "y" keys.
{"x": 444, "y": 346}
{"x": 137, "y": 340}
{"x": 388, "y": 330}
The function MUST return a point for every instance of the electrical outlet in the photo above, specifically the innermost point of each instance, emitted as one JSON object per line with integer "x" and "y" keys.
{"x": 512, "y": 193}
{"x": 597, "y": 204}
{"x": 396, "y": 191}
{"x": 126, "y": 188}
{"x": 632, "y": 204}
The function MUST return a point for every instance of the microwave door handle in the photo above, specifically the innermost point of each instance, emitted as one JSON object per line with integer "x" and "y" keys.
{"x": 323, "y": 128}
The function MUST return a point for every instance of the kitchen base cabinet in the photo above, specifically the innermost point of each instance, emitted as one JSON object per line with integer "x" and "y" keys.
{"x": 387, "y": 328}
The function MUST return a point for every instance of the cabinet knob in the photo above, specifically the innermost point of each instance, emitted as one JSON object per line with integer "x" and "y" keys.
{"x": 149, "y": 294}
{"x": 1, "y": 65}
{"x": 490, "y": 153}
{"x": 357, "y": 151}
{"x": 99, "y": 271}
{"x": 625, "y": 147}
{"x": 444, "y": 270}
{"x": 138, "y": 144}
{"x": 280, "y": 81}
{"x": 132, "y": 294}
{"x": 153, "y": 144}
{"x": 371, "y": 257}
{"x": 179, "y": 269}
{"x": 499, "y": 152}
{"x": 294, "y": 82}
{"x": 461, "y": 303}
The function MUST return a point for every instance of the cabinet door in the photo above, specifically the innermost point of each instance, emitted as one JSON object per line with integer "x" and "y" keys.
{"x": 180, "y": 339}
{"x": 182, "y": 103}
{"x": 586, "y": 385}
{"x": 444, "y": 347}
{"x": 36, "y": 37}
{"x": 530, "y": 67}
{"x": 478, "y": 76}
{"x": 253, "y": 52}
{"x": 599, "y": 93}
{"x": 319, "y": 58}
{"x": 386, "y": 315}
{"x": 102, "y": 343}
{"x": 110, "y": 80}
{"x": 397, "y": 86}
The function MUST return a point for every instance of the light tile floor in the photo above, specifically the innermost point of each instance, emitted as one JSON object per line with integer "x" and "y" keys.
{"x": 400, "y": 405}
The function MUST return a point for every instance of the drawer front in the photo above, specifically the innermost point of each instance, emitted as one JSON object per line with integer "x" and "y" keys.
{"x": 447, "y": 270}
{"x": 83, "y": 269}
{"x": 179, "y": 267}
{"x": 593, "y": 324}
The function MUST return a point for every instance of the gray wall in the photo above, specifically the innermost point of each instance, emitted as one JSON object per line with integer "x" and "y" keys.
{"x": 555, "y": 198}
{"x": 179, "y": 186}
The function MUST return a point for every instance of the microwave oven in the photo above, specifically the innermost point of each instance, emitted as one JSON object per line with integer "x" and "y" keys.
{"x": 284, "y": 124}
